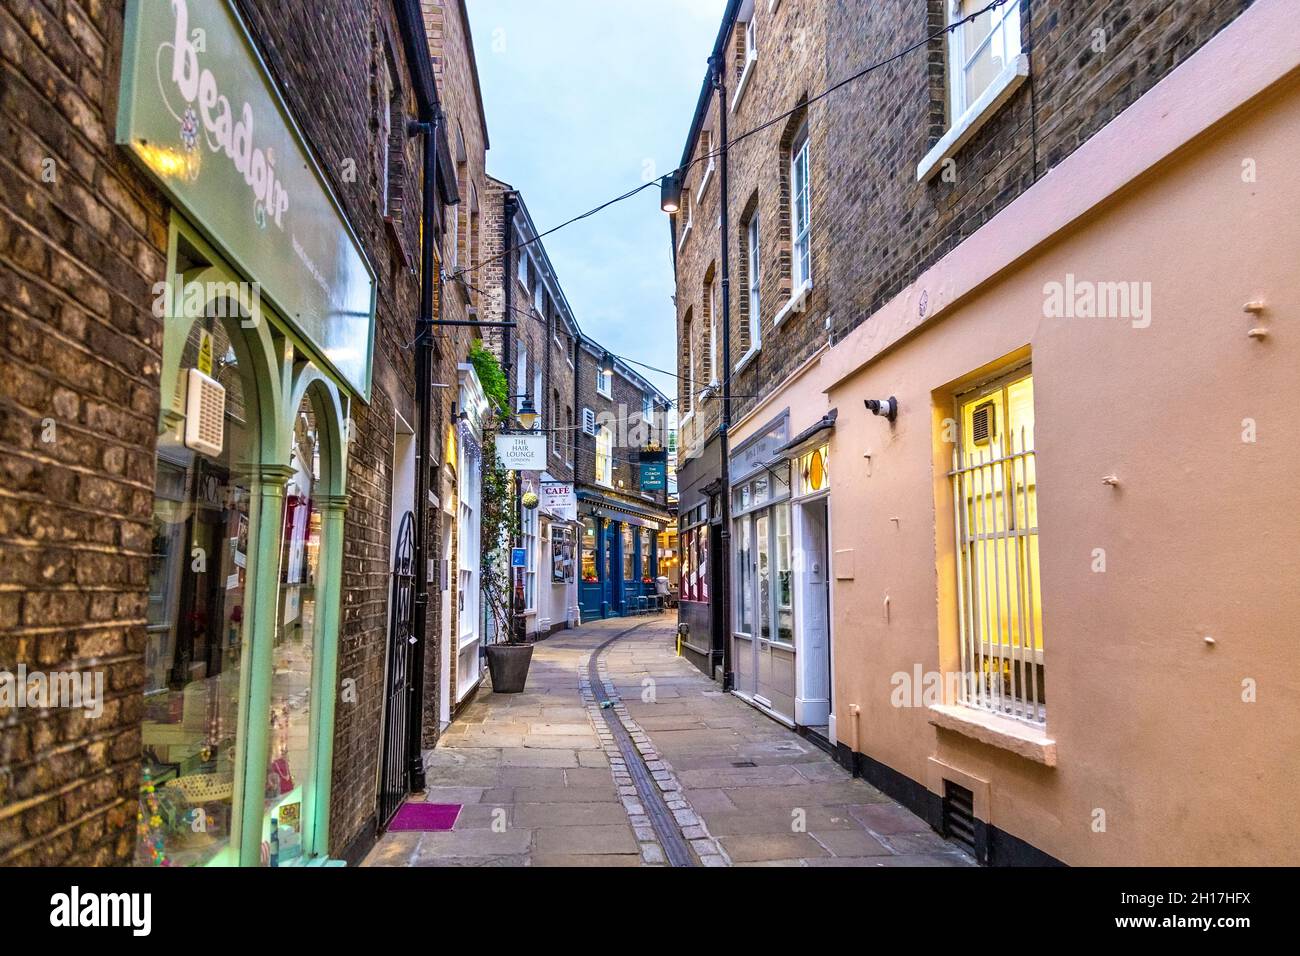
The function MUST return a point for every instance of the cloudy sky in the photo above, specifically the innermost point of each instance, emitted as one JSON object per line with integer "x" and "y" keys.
{"x": 586, "y": 99}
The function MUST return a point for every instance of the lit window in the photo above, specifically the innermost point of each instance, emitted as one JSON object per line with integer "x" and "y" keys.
{"x": 604, "y": 456}
{"x": 995, "y": 489}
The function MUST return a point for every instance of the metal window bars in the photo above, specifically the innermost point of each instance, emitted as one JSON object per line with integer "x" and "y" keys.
{"x": 999, "y": 602}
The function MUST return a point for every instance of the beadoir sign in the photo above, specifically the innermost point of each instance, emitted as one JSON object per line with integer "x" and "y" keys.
{"x": 200, "y": 111}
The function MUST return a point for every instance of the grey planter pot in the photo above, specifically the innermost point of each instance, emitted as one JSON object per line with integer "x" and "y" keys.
{"x": 508, "y": 665}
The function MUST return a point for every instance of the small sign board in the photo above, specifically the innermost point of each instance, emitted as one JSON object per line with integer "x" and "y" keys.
{"x": 522, "y": 451}
{"x": 558, "y": 499}
{"x": 519, "y": 557}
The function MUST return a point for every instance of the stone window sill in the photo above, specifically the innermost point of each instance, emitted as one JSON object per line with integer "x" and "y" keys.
{"x": 685, "y": 234}
{"x": 704, "y": 182}
{"x": 1001, "y": 732}
{"x": 990, "y": 101}
{"x": 794, "y": 304}
{"x": 747, "y": 357}
{"x": 745, "y": 76}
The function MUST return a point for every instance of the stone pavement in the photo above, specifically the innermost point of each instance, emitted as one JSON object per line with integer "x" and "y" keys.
{"x": 538, "y": 789}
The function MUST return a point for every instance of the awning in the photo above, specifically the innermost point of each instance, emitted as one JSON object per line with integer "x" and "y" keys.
{"x": 811, "y": 437}
{"x": 625, "y": 512}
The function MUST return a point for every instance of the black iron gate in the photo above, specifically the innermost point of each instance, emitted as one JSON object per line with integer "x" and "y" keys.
{"x": 394, "y": 780}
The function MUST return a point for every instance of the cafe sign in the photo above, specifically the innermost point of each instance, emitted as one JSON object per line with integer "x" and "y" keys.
{"x": 200, "y": 112}
{"x": 559, "y": 499}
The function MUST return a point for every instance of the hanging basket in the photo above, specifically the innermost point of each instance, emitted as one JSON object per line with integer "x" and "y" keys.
{"x": 530, "y": 500}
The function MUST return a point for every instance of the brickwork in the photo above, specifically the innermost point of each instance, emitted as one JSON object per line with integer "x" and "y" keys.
{"x": 874, "y": 226}
{"x": 82, "y": 241}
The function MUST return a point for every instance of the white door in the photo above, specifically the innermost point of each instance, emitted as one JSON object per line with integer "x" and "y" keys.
{"x": 812, "y": 703}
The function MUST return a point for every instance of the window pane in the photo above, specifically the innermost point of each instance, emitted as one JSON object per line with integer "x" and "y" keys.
{"x": 784, "y": 606}
{"x": 764, "y": 571}
{"x": 629, "y": 555}
{"x": 196, "y": 630}
{"x": 289, "y": 758}
{"x": 589, "y": 574}
{"x": 745, "y": 576}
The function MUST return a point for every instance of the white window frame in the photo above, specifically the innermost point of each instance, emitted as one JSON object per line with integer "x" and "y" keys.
{"x": 528, "y": 532}
{"x": 604, "y": 456}
{"x": 713, "y": 332}
{"x": 964, "y": 123}
{"x": 755, "y": 259}
{"x": 706, "y": 148}
{"x": 387, "y": 86}
{"x": 604, "y": 382}
{"x": 799, "y": 157}
{"x": 688, "y": 209}
{"x": 751, "y": 57}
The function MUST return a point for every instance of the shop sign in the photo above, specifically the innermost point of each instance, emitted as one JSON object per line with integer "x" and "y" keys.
{"x": 522, "y": 451}
{"x": 558, "y": 499}
{"x": 759, "y": 450}
{"x": 518, "y": 557}
{"x": 201, "y": 113}
{"x": 654, "y": 470}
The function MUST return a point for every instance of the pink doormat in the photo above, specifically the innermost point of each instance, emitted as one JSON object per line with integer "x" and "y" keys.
{"x": 426, "y": 817}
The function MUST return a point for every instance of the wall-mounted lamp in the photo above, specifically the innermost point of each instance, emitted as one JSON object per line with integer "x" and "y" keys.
{"x": 887, "y": 408}
{"x": 607, "y": 364}
{"x": 670, "y": 193}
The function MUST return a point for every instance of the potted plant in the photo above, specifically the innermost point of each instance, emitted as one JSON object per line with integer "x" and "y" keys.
{"x": 508, "y": 658}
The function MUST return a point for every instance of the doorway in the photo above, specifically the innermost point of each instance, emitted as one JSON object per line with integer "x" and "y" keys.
{"x": 813, "y": 697}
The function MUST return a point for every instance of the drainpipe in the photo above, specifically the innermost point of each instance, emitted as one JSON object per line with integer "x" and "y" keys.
{"x": 423, "y": 406}
{"x": 716, "y": 64}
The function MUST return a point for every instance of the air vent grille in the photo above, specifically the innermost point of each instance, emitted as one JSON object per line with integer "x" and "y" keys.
{"x": 588, "y": 421}
{"x": 959, "y": 815}
{"x": 983, "y": 423}
{"x": 205, "y": 414}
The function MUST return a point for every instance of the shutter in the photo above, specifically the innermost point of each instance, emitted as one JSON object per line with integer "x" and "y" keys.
{"x": 588, "y": 422}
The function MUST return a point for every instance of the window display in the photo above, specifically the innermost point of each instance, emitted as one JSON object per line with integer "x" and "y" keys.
{"x": 196, "y": 625}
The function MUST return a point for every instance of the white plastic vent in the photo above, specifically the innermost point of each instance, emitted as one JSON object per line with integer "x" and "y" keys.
{"x": 205, "y": 414}
{"x": 984, "y": 423}
{"x": 588, "y": 422}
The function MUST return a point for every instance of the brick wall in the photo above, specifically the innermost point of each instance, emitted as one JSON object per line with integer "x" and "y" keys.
{"x": 874, "y": 227}
{"x": 82, "y": 241}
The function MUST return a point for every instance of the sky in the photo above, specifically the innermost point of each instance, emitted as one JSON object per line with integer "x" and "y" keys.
{"x": 586, "y": 99}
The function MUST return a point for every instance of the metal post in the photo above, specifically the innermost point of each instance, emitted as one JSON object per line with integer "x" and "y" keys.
{"x": 423, "y": 402}
{"x": 724, "y": 443}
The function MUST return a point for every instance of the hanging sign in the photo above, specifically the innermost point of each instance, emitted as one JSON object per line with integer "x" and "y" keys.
{"x": 558, "y": 499}
{"x": 654, "y": 470}
{"x": 200, "y": 112}
{"x": 518, "y": 557}
{"x": 522, "y": 451}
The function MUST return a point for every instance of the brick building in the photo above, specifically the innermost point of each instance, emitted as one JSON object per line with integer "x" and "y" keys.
{"x": 988, "y": 220}
{"x": 208, "y": 409}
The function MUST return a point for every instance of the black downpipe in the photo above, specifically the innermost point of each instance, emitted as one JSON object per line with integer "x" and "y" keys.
{"x": 724, "y": 441}
{"x": 423, "y": 413}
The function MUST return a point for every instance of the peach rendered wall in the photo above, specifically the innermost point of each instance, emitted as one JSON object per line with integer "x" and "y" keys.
{"x": 1201, "y": 536}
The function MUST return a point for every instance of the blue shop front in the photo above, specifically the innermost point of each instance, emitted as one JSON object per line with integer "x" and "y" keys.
{"x": 619, "y": 554}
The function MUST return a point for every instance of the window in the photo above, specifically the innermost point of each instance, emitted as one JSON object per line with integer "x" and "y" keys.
{"x": 688, "y": 369}
{"x": 528, "y": 531}
{"x": 981, "y": 49}
{"x": 389, "y": 153}
{"x": 686, "y": 215}
{"x": 712, "y": 354}
{"x": 763, "y": 561}
{"x": 604, "y": 456}
{"x": 750, "y": 337}
{"x": 995, "y": 490}
{"x": 747, "y": 39}
{"x": 648, "y": 412}
{"x": 521, "y": 375}
{"x": 540, "y": 298}
{"x": 590, "y": 545}
{"x": 706, "y": 149}
{"x": 523, "y": 260}
{"x": 629, "y": 555}
{"x": 557, "y": 437}
{"x": 570, "y": 438}
{"x": 647, "y": 577}
{"x": 800, "y": 210}
{"x": 604, "y": 382}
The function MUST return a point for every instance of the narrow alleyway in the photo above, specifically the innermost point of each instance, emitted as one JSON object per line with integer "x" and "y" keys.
{"x": 543, "y": 782}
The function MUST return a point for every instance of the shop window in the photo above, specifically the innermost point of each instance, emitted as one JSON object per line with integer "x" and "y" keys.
{"x": 814, "y": 471}
{"x": 290, "y": 758}
{"x": 590, "y": 547}
{"x": 994, "y": 483}
{"x": 197, "y": 626}
{"x": 629, "y": 555}
{"x": 761, "y": 525}
{"x": 647, "y": 575}
{"x": 529, "y": 533}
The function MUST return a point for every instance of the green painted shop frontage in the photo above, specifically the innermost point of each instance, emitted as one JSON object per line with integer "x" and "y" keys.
{"x": 268, "y": 310}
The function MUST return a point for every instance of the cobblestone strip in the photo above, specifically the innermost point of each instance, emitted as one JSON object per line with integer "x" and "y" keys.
{"x": 689, "y": 826}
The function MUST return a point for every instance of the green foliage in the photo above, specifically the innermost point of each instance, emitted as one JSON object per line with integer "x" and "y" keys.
{"x": 500, "y": 527}
{"x": 490, "y": 375}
